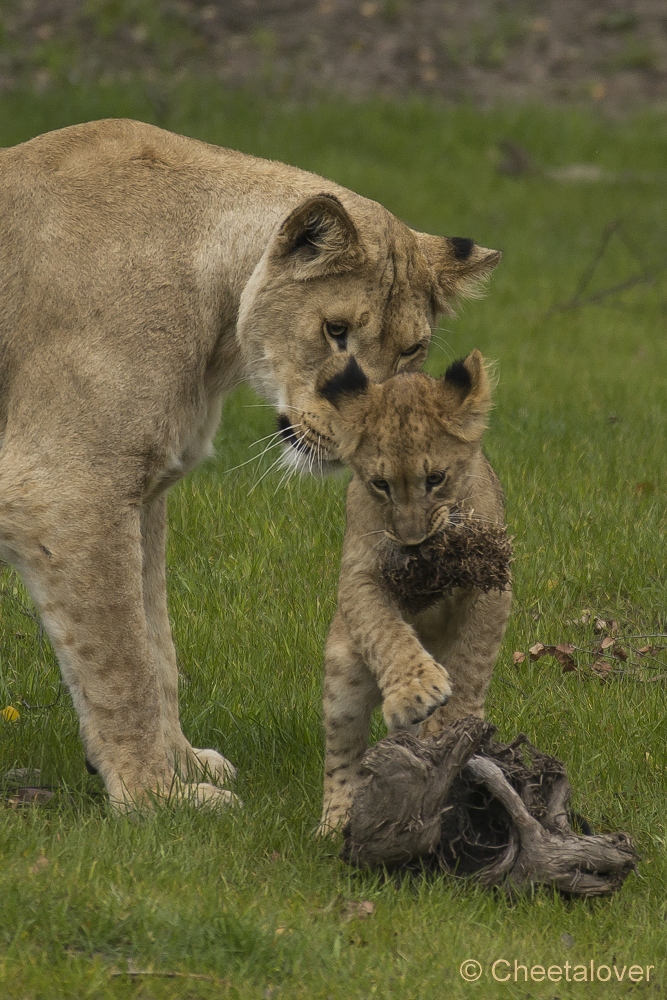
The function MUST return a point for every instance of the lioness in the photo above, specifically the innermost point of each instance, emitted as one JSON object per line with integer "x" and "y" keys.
{"x": 143, "y": 274}
{"x": 414, "y": 445}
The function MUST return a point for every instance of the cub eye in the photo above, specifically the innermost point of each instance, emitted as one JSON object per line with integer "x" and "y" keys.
{"x": 410, "y": 352}
{"x": 434, "y": 479}
{"x": 381, "y": 485}
{"x": 338, "y": 333}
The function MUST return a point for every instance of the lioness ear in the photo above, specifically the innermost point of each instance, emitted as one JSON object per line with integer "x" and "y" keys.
{"x": 460, "y": 267}
{"x": 467, "y": 390}
{"x": 318, "y": 238}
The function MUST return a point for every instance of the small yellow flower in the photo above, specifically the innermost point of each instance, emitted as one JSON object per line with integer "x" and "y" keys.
{"x": 10, "y": 714}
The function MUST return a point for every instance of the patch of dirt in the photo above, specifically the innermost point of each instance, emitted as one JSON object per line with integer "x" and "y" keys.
{"x": 605, "y": 52}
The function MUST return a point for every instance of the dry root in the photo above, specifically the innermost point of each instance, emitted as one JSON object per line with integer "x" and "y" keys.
{"x": 467, "y": 805}
{"x": 467, "y": 553}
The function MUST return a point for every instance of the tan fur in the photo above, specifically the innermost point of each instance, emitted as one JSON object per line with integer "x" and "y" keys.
{"x": 142, "y": 275}
{"x": 434, "y": 666}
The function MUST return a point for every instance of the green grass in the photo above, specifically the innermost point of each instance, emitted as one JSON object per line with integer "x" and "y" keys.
{"x": 580, "y": 423}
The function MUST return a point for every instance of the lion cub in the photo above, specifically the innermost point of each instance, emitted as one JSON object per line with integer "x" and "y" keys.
{"x": 414, "y": 446}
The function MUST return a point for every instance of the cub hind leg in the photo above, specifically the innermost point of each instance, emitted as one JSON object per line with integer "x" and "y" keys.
{"x": 350, "y": 695}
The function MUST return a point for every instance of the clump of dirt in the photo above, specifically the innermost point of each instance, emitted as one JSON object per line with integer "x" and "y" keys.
{"x": 482, "y": 51}
{"x": 466, "y": 553}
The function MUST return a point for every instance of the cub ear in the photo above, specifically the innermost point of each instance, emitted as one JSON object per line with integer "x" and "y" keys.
{"x": 467, "y": 389}
{"x": 460, "y": 267}
{"x": 345, "y": 387}
{"x": 317, "y": 239}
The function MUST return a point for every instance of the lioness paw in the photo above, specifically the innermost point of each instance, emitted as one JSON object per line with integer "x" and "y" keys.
{"x": 215, "y": 766}
{"x": 417, "y": 698}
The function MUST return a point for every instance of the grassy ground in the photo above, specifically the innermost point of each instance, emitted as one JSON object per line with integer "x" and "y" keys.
{"x": 577, "y": 437}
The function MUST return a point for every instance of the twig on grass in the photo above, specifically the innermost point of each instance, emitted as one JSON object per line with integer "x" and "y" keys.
{"x": 645, "y": 276}
{"x": 134, "y": 973}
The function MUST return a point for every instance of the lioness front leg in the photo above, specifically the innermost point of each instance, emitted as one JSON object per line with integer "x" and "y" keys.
{"x": 350, "y": 695}
{"x": 77, "y": 544}
{"x": 192, "y": 764}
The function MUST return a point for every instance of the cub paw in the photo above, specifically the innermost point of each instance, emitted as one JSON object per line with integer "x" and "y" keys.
{"x": 417, "y": 697}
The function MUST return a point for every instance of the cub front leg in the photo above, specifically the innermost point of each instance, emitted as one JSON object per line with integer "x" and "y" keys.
{"x": 466, "y": 634}
{"x": 350, "y": 695}
{"x": 413, "y": 684}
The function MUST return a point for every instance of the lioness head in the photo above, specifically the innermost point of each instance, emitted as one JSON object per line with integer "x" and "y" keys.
{"x": 339, "y": 280}
{"x": 412, "y": 440}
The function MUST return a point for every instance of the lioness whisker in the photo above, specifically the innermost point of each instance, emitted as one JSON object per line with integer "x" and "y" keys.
{"x": 255, "y": 458}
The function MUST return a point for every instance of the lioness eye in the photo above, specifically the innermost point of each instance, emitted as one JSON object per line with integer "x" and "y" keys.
{"x": 338, "y": 333}
{"x": 434, "y": 479}
{"x": 410, "y": 352}
{"x": 381, "y": 485}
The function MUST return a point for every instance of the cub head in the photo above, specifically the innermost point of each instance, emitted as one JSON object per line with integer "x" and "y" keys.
{"x": 412, "y": 441}
{"x": 337, "y": 280}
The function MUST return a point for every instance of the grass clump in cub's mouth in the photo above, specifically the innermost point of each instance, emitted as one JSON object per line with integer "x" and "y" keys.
{"x": 466, "y": 553}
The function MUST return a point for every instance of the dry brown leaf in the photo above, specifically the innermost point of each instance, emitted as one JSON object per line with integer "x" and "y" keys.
{"x": 518, "y": 657}
{"x": 602, "y": 668}
{"x": 359, "y": 910}
{"x": 607, "y": 642}
{"x": 536, "y": 651}
{"x": 29, "y": 797}
{"x": 563, "y": 653}
{"x": 621, "y": 654}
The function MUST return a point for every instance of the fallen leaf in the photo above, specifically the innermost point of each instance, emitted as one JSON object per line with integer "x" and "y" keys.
{"x": 518, "y": 658}
{"x": 621, "y": 654}
{"x": 563, "y": 653}
{"x": 29, "y": 797}
{"x": 600, "y": 625}
{"x": 41, "y": 862}
{"x": 10, "y": 714}
{"x": 644, "y": 649}
{"x": 18, "y": 774}
{"x": 602, "y": 668}
{"x": 607, "y": 642}
{"x": 613, "y": 625}
{"x": 537, "y": 651}
{"x": 360, "y": 910}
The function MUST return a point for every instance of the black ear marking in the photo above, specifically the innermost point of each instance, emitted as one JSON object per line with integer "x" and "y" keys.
{"x": 348, "y": 382}
{"x": 458, "y": 376}
{"x": 462, "y": 246}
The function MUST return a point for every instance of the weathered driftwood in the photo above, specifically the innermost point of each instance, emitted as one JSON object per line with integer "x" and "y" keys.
{"x": 467, "y": 553}
{"x": 468, "y": 805}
